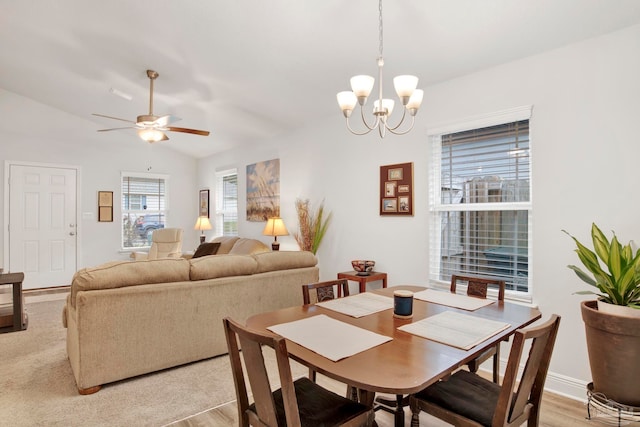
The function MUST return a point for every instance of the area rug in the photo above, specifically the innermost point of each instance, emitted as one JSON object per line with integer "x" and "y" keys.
{"x": 37, "y": 387}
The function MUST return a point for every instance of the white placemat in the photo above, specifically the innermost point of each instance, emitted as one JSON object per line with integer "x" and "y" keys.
{"x": 456, "y": 329}
{"x": 452, "y": 300}
{"x": 359, "y": 305}
{"x": 329, "y": 337}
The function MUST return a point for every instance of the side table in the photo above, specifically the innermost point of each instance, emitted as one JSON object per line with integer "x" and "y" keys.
{"x": 19, "y": 322}
{"x": 362, "y": 280}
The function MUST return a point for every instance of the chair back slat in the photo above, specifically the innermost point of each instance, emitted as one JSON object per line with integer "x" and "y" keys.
{"x": 477, "y": 286}
{"x": 324, "y": 290}
{"x": 528, "y": 395}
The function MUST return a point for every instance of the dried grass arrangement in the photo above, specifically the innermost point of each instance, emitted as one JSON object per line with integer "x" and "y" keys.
{"x": 312, "y": 225}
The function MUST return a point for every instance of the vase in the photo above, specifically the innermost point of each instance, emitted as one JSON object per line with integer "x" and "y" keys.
{"x": 613, "y": 344}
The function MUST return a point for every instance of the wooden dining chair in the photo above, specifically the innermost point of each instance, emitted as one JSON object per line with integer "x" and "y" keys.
{"x": 478, "y": 287}
{"x": 466, "y": 399}
{"x": 296, "y": 403}
{"x": 324, "y": 290}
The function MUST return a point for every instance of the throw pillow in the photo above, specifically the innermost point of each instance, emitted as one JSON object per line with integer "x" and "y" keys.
{"x": 206, "y": 249}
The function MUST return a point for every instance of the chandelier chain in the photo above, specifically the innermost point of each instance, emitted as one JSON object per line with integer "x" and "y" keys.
{"x": 380, "y": 26}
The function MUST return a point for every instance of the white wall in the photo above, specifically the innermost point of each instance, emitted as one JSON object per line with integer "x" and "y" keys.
{"x": 584, "y": 153}
{"x": 33, "y": 132}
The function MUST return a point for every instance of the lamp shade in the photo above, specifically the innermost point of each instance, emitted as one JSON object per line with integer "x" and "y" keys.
{"x": 202, "y": 223}
{"x": 275, "y": 227}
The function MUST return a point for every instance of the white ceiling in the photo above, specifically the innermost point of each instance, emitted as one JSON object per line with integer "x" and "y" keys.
{"x": 249, "y": 69}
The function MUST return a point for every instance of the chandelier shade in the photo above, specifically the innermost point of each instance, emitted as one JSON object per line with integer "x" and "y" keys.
{"x": 362, "y": 86}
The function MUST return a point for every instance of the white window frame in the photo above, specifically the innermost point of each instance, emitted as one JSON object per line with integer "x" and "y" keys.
{"x": 220, "y": 210}
{"x": 164, "y": 212}
{"x": 435, "y": 188}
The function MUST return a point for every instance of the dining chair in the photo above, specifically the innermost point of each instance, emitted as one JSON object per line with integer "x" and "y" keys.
{"x": 296, "y": 403}
{"x": 466, "y": 399}
{"x": 324, "y": 290}
{"x": 478, "y": 287}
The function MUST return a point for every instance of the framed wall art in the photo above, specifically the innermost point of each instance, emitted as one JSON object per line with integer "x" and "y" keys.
{"x": 203, "y": 205}
{"x": 263, "y": 190}
{"x": 105, "y": 206}
{"x": 396, "y": 189}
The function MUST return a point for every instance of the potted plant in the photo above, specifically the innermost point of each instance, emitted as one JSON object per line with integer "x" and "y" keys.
{"x": 612, "y": 322}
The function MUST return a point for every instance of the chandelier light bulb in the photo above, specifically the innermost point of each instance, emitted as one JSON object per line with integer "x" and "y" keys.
{"x": 387, "y": 105}
{"x": 415, "y": 101}
{"x": 362, "y": 85}
{"x": 405, "y": 85}
{"x": 347, "y": 101}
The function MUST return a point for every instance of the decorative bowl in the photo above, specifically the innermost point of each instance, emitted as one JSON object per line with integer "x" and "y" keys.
{"x": 363, "y": 267}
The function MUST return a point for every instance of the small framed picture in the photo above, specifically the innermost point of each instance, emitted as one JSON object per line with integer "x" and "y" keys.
{"x": 403, "y": 189}
{"x": 403, "y": 204}
{"x": 390, "y": 189}
{"x": 389, "y": 205}
{"x": 105, "y": 206}
{"x": 395, "y": 174}
{"x": 203, "y": 206}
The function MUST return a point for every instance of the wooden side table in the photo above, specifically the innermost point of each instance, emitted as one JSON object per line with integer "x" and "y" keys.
{"x": 362, "y": 280}
{"x": 18, "y": 319}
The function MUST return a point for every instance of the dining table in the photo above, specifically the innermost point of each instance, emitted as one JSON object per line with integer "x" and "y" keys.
{"x": 405, "y": 364}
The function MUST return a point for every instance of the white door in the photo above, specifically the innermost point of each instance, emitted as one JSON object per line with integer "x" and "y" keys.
{"x": 42, "y": 224}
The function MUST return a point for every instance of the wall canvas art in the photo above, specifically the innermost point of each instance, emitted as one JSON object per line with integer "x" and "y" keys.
{"x": 263, "y": 190}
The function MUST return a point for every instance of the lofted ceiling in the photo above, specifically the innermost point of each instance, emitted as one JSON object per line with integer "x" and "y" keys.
{"x": 249, "y": 69}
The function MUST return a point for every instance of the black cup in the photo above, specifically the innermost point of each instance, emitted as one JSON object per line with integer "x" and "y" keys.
{"x": 403, "y": 304}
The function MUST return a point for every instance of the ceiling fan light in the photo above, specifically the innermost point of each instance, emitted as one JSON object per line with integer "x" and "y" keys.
{"x": 151, "y": 135}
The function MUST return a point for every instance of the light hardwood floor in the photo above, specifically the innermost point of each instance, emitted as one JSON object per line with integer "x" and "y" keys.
{"x": 556, "y": 411}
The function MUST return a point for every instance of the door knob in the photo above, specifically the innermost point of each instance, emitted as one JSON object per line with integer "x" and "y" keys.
{"x": 71, "y": 233}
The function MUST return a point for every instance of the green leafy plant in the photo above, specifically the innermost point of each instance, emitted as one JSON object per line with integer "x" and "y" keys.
{"x": 312, "y": 225}
{"x": 619, "y": 282}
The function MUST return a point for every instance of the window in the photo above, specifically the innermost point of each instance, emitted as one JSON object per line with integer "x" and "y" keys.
{"x": 481, "y": 201}
{"x": 144, "y": 208}
{"x": 227, "y": 203}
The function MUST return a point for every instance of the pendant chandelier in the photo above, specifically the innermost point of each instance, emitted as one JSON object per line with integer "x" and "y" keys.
{"x": 361, "y": 87}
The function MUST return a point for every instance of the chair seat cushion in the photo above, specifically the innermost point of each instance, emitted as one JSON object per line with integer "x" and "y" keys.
{"x": 317, "y": 406}
{"x": 465, "y": 393}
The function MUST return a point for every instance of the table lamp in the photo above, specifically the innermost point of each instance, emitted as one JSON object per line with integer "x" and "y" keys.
{"x": 202, "y": 224}
{"x": 275, "y": 227}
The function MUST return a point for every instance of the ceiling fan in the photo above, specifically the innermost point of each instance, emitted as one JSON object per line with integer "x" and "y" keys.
{"x": 152, "y": 128}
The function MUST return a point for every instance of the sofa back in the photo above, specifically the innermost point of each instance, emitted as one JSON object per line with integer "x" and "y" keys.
{"x": 131, "y": 273}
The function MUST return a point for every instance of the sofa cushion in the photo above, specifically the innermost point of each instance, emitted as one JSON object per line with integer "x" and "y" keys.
{"x": 284, "y": 260}
{"x": 248, "y": 247}
{"x": 129, "y": 273}
{"x": 226, "y": 243}
{"x": 213, "y": 267}
{"x": 206, "y": 249}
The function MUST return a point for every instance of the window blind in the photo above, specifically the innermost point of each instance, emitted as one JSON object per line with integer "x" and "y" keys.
{"x": 482, "y": 203}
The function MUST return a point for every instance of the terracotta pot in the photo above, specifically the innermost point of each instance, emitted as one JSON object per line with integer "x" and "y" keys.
{"x": 613, "y": 343}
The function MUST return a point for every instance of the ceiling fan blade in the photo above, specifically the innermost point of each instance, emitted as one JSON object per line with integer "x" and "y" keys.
{"x": 107, "y": 130}
{"x": 193, "y": 131}
{"x": 165, "y": 120}
{"x": 114, "y": 118}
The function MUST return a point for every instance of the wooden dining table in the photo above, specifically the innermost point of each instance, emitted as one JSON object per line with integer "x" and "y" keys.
{"x": 406, "y": 364}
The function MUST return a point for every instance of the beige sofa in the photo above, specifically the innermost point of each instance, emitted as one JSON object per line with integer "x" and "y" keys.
{"x": 134, "y": 317}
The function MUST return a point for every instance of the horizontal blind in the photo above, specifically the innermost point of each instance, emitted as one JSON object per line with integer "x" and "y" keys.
{"x": 144, "y": 204}
{"x": 482, "y": 211}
